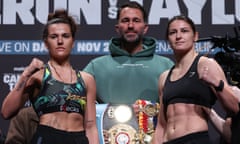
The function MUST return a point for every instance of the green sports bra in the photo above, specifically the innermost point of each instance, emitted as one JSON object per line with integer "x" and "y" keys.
{"x": 56, "y": 96}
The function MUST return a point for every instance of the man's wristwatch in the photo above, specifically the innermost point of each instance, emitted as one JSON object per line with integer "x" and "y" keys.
{"x": 220, "y": 87}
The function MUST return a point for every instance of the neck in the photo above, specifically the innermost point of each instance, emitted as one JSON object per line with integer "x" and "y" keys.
{"x": 132, "y": 47}
{"x": 62, "y": 73}
{"x": 185, "y": 59}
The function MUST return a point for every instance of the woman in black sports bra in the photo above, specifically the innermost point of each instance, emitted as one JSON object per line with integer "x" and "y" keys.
{"x": 63, "y": 98}
{"x": 190, "y": 86}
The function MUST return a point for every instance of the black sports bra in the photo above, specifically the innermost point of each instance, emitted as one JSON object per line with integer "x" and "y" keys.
{"x": 188, "y": 89}
{"x": 58, "y": 96}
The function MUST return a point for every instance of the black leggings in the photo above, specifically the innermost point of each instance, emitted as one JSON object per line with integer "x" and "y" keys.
{"x": 193, "y": 138}
{"x": 49, "y": 135}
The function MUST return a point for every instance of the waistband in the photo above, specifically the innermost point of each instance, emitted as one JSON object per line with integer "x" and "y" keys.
{"x": 188, "y": 137}
{"x": 48, "y": 129}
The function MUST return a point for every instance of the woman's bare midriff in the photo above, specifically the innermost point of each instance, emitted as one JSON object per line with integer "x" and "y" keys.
{"x": 70, "y": 122}
{"x": 184, "y": 119}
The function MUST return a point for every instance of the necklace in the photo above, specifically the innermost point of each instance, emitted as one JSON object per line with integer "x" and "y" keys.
{"x": 55, "y": 70}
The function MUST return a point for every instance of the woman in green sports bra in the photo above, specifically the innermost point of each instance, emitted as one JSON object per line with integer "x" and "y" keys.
{"x": 63, "y": 98}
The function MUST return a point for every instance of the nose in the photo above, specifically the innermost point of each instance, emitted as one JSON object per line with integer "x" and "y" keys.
{"x": 178, "y": 34}
{"x": 60, "y": 40}
{"x": 130, "y": 24}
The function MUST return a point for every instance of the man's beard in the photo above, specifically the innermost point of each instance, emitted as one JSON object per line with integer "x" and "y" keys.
{"x": 131, "y": 41}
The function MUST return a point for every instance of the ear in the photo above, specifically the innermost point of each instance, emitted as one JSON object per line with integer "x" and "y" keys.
{"x": 196, "y": 36}
{"x": 145, "y": 28}
{"x": 117, "y": 28}
{"x": 46, "y": 44}
{"x": 73, "y": 44}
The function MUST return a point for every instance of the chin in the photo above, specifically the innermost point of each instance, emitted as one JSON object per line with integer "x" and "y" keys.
{"x": 132, "y": 40}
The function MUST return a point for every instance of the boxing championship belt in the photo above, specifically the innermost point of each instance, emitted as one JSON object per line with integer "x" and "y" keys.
{"x": 122, "y": 126}
{"x": 118, "y": 122}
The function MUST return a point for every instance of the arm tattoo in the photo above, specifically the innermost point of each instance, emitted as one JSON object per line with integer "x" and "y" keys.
{"x": 21, "y": 85}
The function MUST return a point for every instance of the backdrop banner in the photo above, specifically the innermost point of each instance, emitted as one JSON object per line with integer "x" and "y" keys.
{"x": 21, "y": 25}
